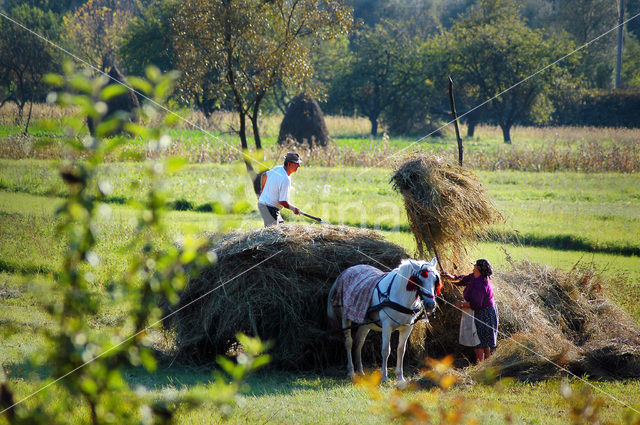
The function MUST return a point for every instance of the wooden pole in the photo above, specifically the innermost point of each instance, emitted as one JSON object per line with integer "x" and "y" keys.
{"x": 455, "y": 122}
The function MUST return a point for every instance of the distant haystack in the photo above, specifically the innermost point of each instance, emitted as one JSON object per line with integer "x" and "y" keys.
{"x": 304, "y": 123}
{"x": 126, "y": 102}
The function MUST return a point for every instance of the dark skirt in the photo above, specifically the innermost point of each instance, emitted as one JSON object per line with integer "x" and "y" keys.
{"x": 487, "y": 326}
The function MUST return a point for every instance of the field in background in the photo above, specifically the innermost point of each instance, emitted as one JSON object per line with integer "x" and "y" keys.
{"x": 557, "y": 218}
{"x": 533, "y": 149}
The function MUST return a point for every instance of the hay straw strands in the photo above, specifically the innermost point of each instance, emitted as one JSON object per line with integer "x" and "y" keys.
{"x": 447, "y": 206}
{"x": 283, "y": 300}
{"x": 564, "y": 316}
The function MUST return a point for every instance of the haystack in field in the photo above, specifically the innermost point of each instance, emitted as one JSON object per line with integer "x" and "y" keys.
{"x": 546, "y": 315}
{"x": 126, "y": 102}
{"x": 274, "y": 283}
{"x": 304, "y": 123}
{"x": 446, "y": 205}
{"x": 566, "y": 317}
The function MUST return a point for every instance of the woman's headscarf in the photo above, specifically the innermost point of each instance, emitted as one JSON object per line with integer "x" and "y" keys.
{"x": 484, "y": 267}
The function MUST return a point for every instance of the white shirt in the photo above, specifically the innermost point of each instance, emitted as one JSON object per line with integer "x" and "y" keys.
{"x": 276, "y": 188}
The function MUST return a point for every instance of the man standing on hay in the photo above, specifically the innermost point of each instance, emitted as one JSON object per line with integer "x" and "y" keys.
{"x": 275, "y": 186}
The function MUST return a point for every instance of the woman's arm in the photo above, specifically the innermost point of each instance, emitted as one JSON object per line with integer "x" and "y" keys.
{"x": 461, "y": 279}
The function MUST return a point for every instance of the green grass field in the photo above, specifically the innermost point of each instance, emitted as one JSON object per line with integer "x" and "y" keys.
{"x": 557, "y": 218}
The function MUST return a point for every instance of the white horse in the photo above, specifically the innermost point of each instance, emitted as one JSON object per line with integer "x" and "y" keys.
{"x": 395, "y": 304}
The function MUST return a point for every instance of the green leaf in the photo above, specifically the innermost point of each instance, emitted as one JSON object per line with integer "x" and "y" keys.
{"x": 188, "y": 256}
{"x": 54, "y": 80}
{"x": 230, "y": 367}
{"x": 260, "y": 361}
{"x": 141, "y": 85}
{"x": 107, "y": 127}
{"x": 113, "y": 90}
{"x": 148, "y": 361}
{"x": 81, "y": 84}
{"x": 89, "y": 386}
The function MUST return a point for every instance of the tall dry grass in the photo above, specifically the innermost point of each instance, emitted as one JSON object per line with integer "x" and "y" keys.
{"x": 592, "y": 156}
{"x": 9, "y": 112}
{"x": 586, "y": 149}
{"x": 566, "y": 135}
{"x": 221, "y": 121}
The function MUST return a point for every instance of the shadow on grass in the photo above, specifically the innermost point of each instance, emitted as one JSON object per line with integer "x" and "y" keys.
{"x": 563, "y": 242}
{"x": 24, "y": 269}
{"x": 264, "y": 382}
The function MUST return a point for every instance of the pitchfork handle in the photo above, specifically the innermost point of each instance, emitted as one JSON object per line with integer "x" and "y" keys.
{"x": 311, "y": 216}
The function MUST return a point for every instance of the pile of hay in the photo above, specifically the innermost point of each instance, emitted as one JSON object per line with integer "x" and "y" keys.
{"x": 546, "y": 313}
{"x": 447, "y": 206}
{"x": 283, "y": 299}
{"x": 563, "y": 316}
{"x": 304, "y": 123}
{"x": 566, "y": 317}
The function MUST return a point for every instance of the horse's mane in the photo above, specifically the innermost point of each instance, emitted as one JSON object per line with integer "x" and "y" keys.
{"x": 405, "y": 270}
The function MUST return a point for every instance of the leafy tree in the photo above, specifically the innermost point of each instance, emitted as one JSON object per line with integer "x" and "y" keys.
{"x": 244, "y": 48}
{"x": 492, "y": 49}
{"x": 94, "y": 31}
{"x": 417, "y": 16}
{"x": 372, "y": 80}
{"x": 631, "y": 62}
{"x": 148, "y": 40}
{"x": 416, "y": 103}
{"x": 330, "y": 62}
{"x": 56, "y": 6}
{"x": 585, "y": 20}
{"x": 26, "y": 58}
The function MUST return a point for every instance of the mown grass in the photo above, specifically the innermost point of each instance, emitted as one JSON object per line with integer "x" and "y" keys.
{"x": 570, "y": 211}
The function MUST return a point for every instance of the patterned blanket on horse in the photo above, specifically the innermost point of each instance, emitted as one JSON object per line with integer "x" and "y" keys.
{"x": 355, "y": 289}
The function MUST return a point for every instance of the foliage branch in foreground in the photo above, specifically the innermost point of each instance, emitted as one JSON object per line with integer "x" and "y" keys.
{"x": 413, "y": 404}
{"x": 90, "y": 362}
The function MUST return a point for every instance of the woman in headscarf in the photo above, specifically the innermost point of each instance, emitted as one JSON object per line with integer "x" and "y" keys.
{"x": 478, "y": 296}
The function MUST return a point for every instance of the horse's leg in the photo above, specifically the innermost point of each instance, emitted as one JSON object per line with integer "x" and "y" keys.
{"x": 361, "y": 335}
{"x": 403, "y": 335}
{"x": 386, "y": 349}
{"x": 348, "y": 343}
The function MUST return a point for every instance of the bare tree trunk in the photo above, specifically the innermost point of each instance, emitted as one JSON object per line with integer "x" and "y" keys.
{"x": 472, "y": 122}
{"x": 506, "y": 132}
{"x": 254, "y": 122}
{"x": 374, "y": 125}
{"x": 26, "y": 127}
{"x": 620, "y": 44}
{"x": 245, "y": 147}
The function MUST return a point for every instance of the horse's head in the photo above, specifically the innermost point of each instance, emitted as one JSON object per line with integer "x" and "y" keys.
{"x": 424, "y": 278}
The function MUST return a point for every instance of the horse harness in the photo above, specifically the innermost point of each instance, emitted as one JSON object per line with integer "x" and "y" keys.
{"x": 386, "y": 302}
{"x": 393, "y": 305}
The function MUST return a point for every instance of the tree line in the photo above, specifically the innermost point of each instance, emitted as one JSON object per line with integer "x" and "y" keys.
{"x": 386, "y": 60}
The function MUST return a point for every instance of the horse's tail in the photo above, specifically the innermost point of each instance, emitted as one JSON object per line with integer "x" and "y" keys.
{"x": 331, "y": 313}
